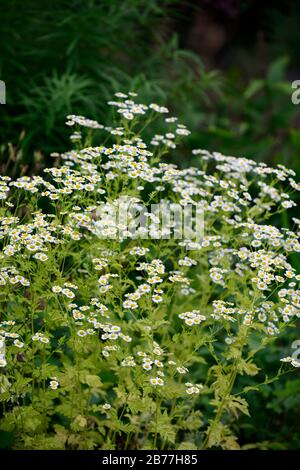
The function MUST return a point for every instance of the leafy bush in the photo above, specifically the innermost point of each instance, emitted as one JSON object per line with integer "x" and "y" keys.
{"x": 118, "y": 336}
{"x": 73, "y": 55}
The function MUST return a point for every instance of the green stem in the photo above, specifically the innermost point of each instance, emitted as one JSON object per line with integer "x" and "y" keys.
{"x": 158, "y": 402}
{"x": 219, "y": 413}
{"x": 232, "y": 377}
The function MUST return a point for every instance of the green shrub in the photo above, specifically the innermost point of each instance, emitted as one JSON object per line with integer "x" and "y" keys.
{"x": 116, "y": 335}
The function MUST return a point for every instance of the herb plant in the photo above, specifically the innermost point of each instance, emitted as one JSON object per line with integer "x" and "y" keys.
{"x": 113, "y": 338}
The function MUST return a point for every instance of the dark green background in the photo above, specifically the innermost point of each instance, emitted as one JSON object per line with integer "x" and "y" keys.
{"x": 224, "y": 67}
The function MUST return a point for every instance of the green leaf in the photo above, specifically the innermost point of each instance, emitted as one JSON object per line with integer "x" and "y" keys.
{"x": 248, "y": 368}
{"x": 277, "y": 70}
{"x": 193, "y": 421}
{"x": 92, "y": 381}
{"x": 253, "y": 87}
{"x": 187, "y": 446}
{"x": 236, "y": 405}
{"x": 215, "y": 433}
{"x": 164, "y": 427}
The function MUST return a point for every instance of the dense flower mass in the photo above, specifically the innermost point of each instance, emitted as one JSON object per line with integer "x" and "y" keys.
{"x": 101, "y": 317}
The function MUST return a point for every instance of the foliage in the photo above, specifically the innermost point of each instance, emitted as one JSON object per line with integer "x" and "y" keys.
{"x": 101, "y": 346}
{"x": 73, "y": 55}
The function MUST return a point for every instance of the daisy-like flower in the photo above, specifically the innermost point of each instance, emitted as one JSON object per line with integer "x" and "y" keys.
{"x": 129, "y": 304}
{"x": 182, "y": 370}
{"x": 192, "y": 318}
{"x": 294, "y": 362}
{"x": 56, "y": 289}
{"x": 3, "y": 362}
{"x": 287, "y": 204}
{"x": 40, "y": 337}
{"x": 40, "y": 256}
{"x": 157, "y": 381}
{"x": 68, "y": 293}
{"x": 125, "y": 338}
{"x": 54, "y": 384}
{"x": 286, "y": 359}
{"x": 157, "y": 298}
{"x": 193, "y": 389}
{"x": 81, "y": 333}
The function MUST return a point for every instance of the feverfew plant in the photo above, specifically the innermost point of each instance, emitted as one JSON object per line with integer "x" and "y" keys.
{"x": 118, "y": 339}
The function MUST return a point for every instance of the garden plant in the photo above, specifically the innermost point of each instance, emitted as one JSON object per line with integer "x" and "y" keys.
{"x": 135, "y": 335}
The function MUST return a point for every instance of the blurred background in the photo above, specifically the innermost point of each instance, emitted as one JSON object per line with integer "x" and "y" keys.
{"x": 224, "y": 67}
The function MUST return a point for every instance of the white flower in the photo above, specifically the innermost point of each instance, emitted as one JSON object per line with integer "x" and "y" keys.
{"x": 54, "y": 384}
{"x": 287, "y": 204}
{"x": 286, "y": 359}
{"x": 294, "y": 362}
{"x": 56, "y": 289}
{"x": 181, "y": 370}
{"x": 81, "y": 333}
{"x": 158, "y": 109}
{"x": 40, "y": 337}
{"x": 129, "y": 304}
{"x": 40, "y": 256}
{"x": 157, "y": 381}
{"x": 193, "y": 389}
{"x": 68, "y": 293}
{"x": 2, "y": 362}
{"x": 128, "y": 115}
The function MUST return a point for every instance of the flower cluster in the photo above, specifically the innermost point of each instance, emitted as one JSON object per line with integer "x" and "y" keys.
{"x": 91, "y": 299}
{"x": 193, "y": 389}
{"x": 192, "y": 318}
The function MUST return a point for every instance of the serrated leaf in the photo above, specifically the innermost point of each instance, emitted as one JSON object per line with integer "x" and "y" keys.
{"x": 92, "y": 380}
{"x": 236, "y": 405}
{"x": 187, "y": 446}
{"x": 248, "y": 368}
